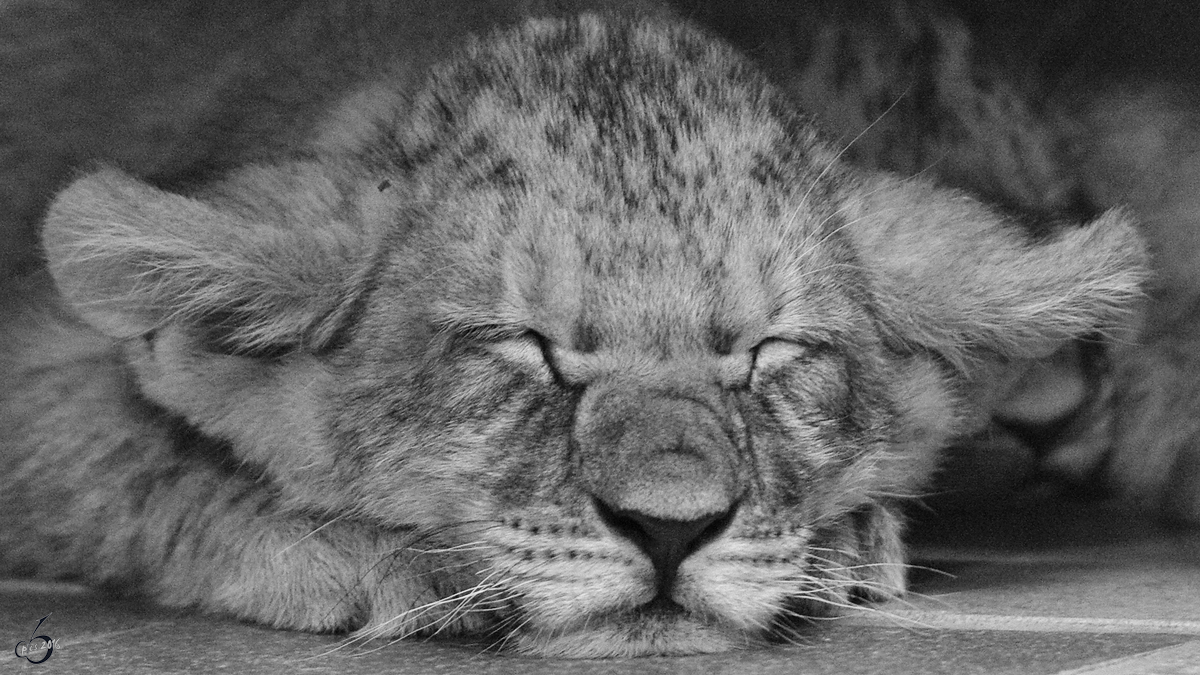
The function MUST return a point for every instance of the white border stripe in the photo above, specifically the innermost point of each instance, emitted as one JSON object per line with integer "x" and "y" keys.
{"x": 1041, "y": 624}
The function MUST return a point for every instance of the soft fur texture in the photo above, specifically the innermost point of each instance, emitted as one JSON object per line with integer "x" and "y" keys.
{"x": 582, "y": 339}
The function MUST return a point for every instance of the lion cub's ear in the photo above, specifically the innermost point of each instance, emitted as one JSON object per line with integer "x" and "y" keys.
{"x": 957, "y": 279}
{"x": 261, "y": 263}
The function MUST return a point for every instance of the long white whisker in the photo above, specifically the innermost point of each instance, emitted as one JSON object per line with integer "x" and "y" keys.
{"x": 829, "y": 165}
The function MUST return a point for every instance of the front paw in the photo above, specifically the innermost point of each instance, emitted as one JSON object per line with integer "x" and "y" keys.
{"x": 294, "y": 573}
{"x": 860, "y": 557}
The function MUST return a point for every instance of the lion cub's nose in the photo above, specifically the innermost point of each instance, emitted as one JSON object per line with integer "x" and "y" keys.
{"x": 661, "y": 468}
{"x": 666, "y": 542}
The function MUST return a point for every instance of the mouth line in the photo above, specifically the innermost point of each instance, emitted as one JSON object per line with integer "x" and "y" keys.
{"x": 660, "y": 607}
{"x": 659, "y": 627}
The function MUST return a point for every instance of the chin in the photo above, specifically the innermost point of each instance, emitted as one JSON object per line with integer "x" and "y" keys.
{"x": 644, "y": 631}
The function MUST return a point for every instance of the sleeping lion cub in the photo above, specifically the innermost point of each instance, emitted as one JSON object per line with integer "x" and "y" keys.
{"x": 574, "y": 335}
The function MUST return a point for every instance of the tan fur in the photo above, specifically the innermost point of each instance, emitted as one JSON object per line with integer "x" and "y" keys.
{"x": 589, "y": 345}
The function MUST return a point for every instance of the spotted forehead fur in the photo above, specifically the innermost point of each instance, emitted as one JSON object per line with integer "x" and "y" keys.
{"x": 628, "y": 180}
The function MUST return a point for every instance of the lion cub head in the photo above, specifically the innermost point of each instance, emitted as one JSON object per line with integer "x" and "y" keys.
{"x": 602, "y": 322}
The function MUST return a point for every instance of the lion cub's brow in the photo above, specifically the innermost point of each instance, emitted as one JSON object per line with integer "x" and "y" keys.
{"x": 611, "y": 190}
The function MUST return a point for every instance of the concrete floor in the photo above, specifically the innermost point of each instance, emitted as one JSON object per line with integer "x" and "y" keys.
{"x": 1037, "y": 589}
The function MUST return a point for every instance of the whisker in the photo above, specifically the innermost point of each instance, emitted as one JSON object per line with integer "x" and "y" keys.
{"x": 830, "y": 164}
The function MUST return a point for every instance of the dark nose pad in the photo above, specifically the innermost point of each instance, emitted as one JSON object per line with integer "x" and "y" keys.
{"x": 666, "y": 542}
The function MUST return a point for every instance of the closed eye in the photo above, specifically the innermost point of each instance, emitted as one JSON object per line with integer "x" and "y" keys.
{"x": 818, "y": 369}
{"x": 527, "y": 349}
{"x": 773, "y": 352}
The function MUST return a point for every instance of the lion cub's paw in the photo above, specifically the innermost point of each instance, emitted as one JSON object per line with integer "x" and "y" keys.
{"x": 331, "y": 578}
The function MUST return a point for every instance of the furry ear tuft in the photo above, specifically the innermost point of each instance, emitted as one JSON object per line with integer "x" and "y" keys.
{"x": 267, "y": 268}
{"x": 953, "y": 277}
